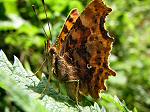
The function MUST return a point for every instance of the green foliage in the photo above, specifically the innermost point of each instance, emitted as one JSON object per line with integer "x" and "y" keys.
{"x": 13, "y": 80}
{"x": 23, "y": 89}
{"x": 129, "y": 25}
{"x": 22, "y": 35}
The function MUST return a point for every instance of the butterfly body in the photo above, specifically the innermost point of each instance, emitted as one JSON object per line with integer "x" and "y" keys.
{"x": 81, "y": 57}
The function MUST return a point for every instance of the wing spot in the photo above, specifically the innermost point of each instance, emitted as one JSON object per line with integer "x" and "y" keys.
{"x": 91, "y": 38}
{"x": 89, "y": 66}
{"x": 65, "y": 30}
{"x": 105, "y": 65}
{"x": 71, "y": 20}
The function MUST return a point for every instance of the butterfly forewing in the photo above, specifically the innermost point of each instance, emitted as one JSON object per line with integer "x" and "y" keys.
{"x": 71, "y": 19}
{"x": 87, "y": 47}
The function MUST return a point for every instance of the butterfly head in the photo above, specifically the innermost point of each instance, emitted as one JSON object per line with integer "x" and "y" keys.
{"x": 50, "y": 50}
{"x": 53, "y": 51}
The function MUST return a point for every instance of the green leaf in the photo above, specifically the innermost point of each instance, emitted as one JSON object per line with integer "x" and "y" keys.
{"x": 8, "y": 6}
{"x": 25, "y": 89}
{"x": 8, "y": 81}
{"x": 112, "y": 103}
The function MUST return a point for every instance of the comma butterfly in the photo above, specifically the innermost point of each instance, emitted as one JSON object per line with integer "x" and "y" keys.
{"x": 80, "y": 57}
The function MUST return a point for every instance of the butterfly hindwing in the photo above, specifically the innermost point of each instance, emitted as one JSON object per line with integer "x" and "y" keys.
{"x": 86, "y": 46}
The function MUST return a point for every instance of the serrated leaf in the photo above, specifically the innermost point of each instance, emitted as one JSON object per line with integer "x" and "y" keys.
{"x": 24, "y": 82}
{"x": 26, "y": 90}
{"x": 17, "y": 94}
{"x": 5, "y": 65}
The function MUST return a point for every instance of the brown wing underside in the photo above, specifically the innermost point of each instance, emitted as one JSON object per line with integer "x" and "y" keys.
{"x": 71, "y": 19}
{"x": 87, "y": 47}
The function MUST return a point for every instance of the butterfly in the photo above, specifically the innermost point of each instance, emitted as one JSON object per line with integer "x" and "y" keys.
{"x": 80, "y": 56}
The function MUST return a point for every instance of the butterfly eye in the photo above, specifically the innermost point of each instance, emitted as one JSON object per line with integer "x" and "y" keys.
{"x": 52, "y": 51}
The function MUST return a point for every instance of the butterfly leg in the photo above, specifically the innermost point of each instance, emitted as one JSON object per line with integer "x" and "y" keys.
{"x": 45, "y": 88}
{"x": 35, "y": 74}
{"x": 46, "y": 85}
{"x": 40, "y": 67}
{"x": 77, "y": 89}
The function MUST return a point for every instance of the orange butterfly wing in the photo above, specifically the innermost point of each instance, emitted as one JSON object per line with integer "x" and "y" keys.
{"x": 71, "y": 19}
{"x": 87, "y": 47}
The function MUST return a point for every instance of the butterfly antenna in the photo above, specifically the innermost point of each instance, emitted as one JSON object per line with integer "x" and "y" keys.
{"x": 34, "y": 9}
{"x": 47, "y": 19}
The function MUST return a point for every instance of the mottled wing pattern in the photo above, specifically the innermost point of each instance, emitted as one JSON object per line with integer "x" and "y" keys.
{"x": 71, "y": 19}
{"x": 87, "y": 47}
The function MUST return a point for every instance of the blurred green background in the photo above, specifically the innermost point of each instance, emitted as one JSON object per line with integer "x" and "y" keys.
{"x": 129, "y": 23}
